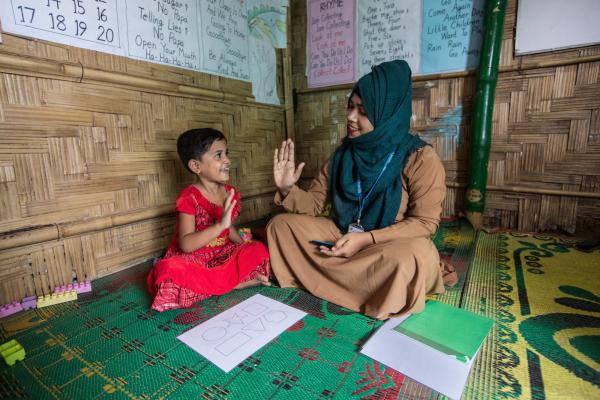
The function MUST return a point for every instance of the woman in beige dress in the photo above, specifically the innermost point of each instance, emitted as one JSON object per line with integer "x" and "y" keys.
{"x": 386, "y": 188}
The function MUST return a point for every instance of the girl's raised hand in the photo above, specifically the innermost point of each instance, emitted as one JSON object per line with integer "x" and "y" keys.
{"x": 285, "y": 172}
{"x": 228, "y": 206}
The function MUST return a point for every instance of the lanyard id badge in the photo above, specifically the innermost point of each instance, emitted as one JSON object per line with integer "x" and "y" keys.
{"x": 356, "y": 226}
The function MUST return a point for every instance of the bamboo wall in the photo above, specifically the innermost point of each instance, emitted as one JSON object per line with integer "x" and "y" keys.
{"x": 88, "y": 165}
{"x": 88, "y": 171}
{"x": 544, "y": 170}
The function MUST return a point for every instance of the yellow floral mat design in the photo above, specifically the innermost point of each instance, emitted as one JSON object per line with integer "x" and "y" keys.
{"x": 544, "y": 296}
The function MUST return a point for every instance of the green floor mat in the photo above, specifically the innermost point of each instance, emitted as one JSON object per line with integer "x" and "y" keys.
{"x": 109, "y": 344}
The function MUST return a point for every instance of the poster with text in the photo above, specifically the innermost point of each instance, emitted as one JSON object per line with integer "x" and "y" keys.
{"x": 90, "y": 25}
{"x": 164, "y": 31}
{"x": 388, "y": 30}
{"x": 224, "y": 37}
{"x": 331, "y": 42}
{"x": 452, "y": 35}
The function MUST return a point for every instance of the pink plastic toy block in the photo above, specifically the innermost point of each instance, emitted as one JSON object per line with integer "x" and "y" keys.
{"x": 83, "y": 287}
{"x": 9, "y": 309}
{"x": 29, "y": 302}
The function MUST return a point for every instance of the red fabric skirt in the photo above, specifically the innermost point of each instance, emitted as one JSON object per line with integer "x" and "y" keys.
{"x": 176, "y": 282}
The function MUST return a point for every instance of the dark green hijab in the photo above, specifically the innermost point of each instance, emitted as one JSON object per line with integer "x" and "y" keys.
{"x": 386, "y": 94}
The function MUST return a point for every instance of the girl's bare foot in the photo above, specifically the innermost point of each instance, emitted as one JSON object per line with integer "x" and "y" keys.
{"x": 259, "y": 280}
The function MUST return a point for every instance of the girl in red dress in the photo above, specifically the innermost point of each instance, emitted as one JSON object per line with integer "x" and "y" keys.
{"x": 206, "y": 256}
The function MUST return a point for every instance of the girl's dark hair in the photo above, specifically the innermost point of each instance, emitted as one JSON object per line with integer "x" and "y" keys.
{"x": 194, "y": 143}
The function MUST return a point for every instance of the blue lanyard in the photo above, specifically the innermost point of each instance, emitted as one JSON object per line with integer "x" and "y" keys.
{"x": 361, "y": 199}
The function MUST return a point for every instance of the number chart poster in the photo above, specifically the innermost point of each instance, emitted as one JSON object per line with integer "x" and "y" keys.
{"x": 92, "y": 24}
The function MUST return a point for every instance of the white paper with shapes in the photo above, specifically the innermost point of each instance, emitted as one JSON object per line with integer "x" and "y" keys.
{"x": 229, "y": 338}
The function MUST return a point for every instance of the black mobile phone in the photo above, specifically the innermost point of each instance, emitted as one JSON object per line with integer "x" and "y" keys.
{"x": 320, "y": 243}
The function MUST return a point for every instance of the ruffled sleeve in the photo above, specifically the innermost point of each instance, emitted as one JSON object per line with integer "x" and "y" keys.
{"x": 186, "y": 203}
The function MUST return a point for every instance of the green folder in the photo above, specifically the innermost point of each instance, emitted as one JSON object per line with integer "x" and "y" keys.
{"x": 448, "y": 329}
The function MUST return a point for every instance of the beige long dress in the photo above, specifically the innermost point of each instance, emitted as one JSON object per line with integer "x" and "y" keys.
{"x": 388, "y": 278}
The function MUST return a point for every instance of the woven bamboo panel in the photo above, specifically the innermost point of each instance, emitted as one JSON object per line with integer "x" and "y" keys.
{"x": 89, "y": 171}
{"x": 545, "y": 135}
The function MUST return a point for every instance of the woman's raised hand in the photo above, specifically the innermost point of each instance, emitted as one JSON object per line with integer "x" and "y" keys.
{"x": 228, "y": 206}
{"x": 285, "y": 172}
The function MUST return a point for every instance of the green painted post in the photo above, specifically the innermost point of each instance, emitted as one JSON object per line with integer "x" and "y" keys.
{"x": 483, "y": 109}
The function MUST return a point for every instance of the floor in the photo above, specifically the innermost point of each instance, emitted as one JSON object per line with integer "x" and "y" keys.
{"x": 542, "y": 291}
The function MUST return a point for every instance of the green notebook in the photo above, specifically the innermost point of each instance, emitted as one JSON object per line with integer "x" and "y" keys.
{"x": 448, "y": 329}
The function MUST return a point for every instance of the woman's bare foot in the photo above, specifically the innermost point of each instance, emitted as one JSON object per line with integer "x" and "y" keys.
{"x": 258, "y": 281}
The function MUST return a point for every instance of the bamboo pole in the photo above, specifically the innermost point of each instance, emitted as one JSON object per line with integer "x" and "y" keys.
{"x": 482, "y": 111}
{"x": 451, "y": 75}
{"x": 16, "y": 64}
{"x": 417, "y": 78}
{"x": 201, "y": 92}
{"x": 27, "y": 236}
{"x": 30, "y": 66}
{"x": 287, "y": 82}
{"x": 45, "y": 233}
{"x": 551, "y": 192}
{"x": 92, "y": 75}
{"x": 525, "y": 189}
{"x": 551, "y": 63}
{"x": 34, "y": 235}
{"x": 39, "y": 234}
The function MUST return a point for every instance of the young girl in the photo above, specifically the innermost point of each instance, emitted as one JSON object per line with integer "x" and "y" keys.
{"x": 206, "y": 256}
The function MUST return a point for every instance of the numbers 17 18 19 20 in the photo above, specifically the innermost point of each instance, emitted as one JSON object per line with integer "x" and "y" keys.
{"x": 93, "y": 20}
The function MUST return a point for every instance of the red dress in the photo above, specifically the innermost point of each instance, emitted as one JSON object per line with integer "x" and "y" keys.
{"x": 180, "y": 279}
